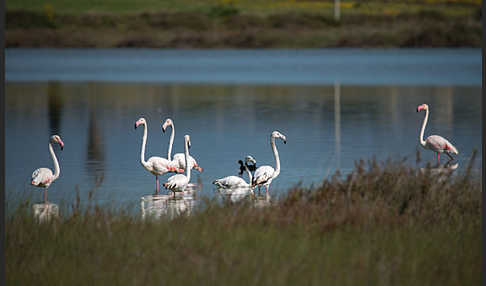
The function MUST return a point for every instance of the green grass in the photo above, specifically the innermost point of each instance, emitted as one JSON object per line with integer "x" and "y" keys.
{"x": 456, "y": 7}
{"x": 242, "y": 23}
{"x": 227, "y": 28}
{"x": 384, "y": 224}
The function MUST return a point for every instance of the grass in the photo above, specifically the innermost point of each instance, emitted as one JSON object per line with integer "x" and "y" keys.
{"x": 262, "y": 7}
{"x": 242, "y": 24}
{"x": 383, "y": 224}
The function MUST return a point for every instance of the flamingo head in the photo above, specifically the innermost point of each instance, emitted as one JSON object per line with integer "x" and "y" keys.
{"x": 422, "y": 107}
{"x": 250, "y": 159}
{"x": 276, "y": 134}
{"x": 168, "y": 122}
{"x": 57, "y": 139}
{"x": 140, "y": 121}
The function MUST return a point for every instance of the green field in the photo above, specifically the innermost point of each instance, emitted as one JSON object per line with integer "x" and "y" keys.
{"x": 384, "y": 224}
{"x": 242, "y": 24}
{"x": 262, "y": 7}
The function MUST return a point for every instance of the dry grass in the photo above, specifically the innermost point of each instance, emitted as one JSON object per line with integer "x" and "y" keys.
{"x": 384, "y": 224}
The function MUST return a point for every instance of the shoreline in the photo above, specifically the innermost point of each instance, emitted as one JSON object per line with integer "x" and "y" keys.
{"x": 198, "y": 30}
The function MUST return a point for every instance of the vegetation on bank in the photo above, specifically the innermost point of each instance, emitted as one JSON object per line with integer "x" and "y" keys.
{"x": 243, "y": 24}
{"x": 383, "y": 224}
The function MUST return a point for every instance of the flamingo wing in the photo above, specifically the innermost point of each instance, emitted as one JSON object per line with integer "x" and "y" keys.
{"x": 159, "y": 165}
{"x": 230, "y": 182}
{"x": 42, "y": 177}
{"x": 177, "y": 182}
{"x": 179, "y": 157}
{"x": 440, "y": 144}
{"x": 263, "y": 174}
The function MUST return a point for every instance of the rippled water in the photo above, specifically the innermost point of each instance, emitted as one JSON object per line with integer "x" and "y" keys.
{"x": 328, "y": 127}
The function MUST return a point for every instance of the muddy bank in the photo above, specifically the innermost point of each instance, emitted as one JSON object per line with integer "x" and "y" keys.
{"x": 226, "y": 29}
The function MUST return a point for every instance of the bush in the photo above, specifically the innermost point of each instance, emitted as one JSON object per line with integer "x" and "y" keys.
{"x": 223, "y": 11}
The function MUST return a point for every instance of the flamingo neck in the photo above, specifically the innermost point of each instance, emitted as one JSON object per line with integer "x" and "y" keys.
{"x": 186, "y": 157}
{"x": 171, "y": 141}
{"x": 421, "y": 137}
{"x": 57, "y": 170}
{"x": 250, "y": 177}
{"x": 277, "y": 159}
{"x": 144, "y": 141}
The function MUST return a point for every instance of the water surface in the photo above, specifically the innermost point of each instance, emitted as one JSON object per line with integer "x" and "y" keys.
{"x": 316, "y": 67}
{"x": 329, "y": 126}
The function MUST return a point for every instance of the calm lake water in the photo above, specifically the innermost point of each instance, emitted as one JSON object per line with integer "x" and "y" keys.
{"x": 334, "y": 106}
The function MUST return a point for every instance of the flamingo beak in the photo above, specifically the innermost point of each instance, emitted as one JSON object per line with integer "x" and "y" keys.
{"x": 285, "y": 141}
{"x": 136, "y": 125}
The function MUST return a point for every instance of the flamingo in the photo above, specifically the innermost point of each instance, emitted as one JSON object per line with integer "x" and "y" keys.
{"x": 43, "y": 177}
{"x": 155, "y": 165}
{"x": 234, "y": 182}
{"x": 179, "y": 182}
{"x": 435, "y": 143}
{"x": 179, "y": 157}
{"x": 265, "y": 174}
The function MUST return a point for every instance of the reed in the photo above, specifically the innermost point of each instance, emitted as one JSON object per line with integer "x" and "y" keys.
{"x": 383, "y": 224}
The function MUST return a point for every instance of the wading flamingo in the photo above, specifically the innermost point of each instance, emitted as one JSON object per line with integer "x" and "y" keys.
{"x": 265, "y": 174}
{"x": 234, "y": 182}
{"x": 179, "y": 157}
{"x": 155, "y": 165}
{"x": 179, "y": 182}
{"x": 43, "y": 177}
{"x": 435, "y": 143}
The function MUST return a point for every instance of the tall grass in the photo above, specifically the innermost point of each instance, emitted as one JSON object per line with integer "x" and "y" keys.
{"x": 383, "y": 224}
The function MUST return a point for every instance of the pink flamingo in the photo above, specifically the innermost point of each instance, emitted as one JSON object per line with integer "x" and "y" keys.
{"x": 435, "y": 143}
{"x": 179, "y": 182}
{"x": 264, "y": 175}
{"x": 155, "y": 165}
{"x": 43, "y": 177}
{"x": 179, "y": 157}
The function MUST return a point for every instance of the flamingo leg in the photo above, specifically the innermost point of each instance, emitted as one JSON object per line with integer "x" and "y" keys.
{"x": 438, "y": 159}
{"x": 267, "y": 189}
{"x": 452, "y": 158}
{"x": 157, "y": 184}
{"x": 45, "y": 196}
